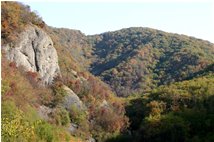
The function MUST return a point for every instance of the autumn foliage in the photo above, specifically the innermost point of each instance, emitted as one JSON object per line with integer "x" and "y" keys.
{"x": 14, "y": 17}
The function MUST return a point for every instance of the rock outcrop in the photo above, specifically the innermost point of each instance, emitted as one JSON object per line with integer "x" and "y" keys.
{"x": 72, "y": 99}
{"x": 35, "y": 52}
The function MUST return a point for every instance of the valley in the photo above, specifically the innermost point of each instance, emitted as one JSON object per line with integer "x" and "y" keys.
{"x": 131, "y": 85}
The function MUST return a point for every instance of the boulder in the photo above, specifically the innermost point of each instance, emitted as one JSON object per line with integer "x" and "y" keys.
{"x": 72, "y": 99}
{"x": 90, "y": 140}
{"x": 35, "y": 52}
{"x": 72, "y": 127}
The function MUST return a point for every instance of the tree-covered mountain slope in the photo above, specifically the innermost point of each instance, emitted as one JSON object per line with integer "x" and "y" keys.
{"x": 181, "y": 111}
{"x": 74, "y": 43}
{"x": 138, "y": 59}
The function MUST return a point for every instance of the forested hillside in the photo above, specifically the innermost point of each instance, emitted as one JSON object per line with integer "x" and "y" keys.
{"x": 181, "y": 111}
{"x": 138, "y": 59}
{"x": 76, "y": 106}
{"x": 131, "y": 85}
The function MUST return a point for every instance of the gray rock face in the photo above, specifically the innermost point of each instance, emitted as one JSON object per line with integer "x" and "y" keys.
{"x": 91, "y": 140}
{"x": 44, "y": 111}
{"x": 72, "y": 99}
{"x": 72, "y": 127}
{"x": 104, "y": 104}
{"x": 35, "y": 52}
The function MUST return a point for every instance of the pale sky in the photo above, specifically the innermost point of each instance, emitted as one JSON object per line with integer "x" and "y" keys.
{"x": 189, "y": 18}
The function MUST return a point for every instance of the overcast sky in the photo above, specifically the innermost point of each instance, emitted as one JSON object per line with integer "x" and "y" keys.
{"x": 189, "y": 18}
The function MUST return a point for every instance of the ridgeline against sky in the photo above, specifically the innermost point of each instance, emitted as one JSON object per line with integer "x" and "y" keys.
{"x": 190, "y": 18}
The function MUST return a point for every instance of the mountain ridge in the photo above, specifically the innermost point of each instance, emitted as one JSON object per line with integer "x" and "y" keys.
{"x": 113, "y": 48}
{"x": 180, "y": 34}
{"x": 90, "y": 49}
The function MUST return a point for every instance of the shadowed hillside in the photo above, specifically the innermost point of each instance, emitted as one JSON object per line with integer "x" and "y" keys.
{"x": 138, "y": 59}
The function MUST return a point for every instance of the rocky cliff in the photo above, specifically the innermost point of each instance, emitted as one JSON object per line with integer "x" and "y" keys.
{"x": 35, "y": 52}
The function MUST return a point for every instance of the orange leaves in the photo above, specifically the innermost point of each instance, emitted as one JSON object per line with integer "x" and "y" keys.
{"x": 12, "y": 64}
{"x": 133, "y": 61}
{"x": 110, "y": 121}
{"x": 33, "y": 75}
{"x": 14, "y": 18}
{"x": 156, "y": 107}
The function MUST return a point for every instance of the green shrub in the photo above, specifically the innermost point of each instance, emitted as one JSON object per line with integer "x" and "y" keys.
{"x": 61, "y": 116}
{"x": 58, "y": 94}
{"x": 77, "y": 116}
{"x": 5, "y": 87}
{"x": 44, "y": 131}
{"x": 168, "y": 128}
{"x": 14, "y": 126}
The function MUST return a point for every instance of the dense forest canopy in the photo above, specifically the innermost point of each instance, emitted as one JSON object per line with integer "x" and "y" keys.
{"x": 138, "y": 59}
